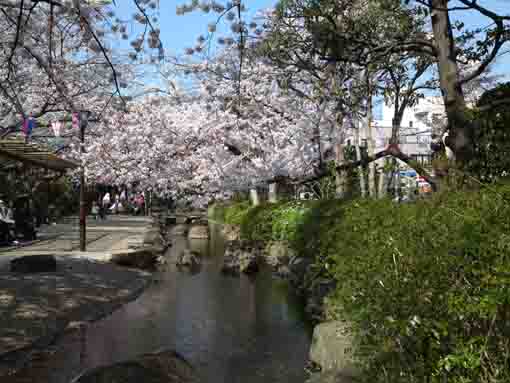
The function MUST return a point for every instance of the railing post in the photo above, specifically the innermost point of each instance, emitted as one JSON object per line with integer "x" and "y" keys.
{"x": 273, "y": 192}
{"x": 83, "y": 202}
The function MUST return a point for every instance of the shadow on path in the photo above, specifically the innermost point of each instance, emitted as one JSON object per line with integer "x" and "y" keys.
{"x": 35, "y": 308}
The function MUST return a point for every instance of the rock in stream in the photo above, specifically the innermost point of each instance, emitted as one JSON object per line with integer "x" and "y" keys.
{"x": 242, "y": 257}
{"x": 333, "y": 350}
{"x": 142, "y": 258}
{"x": 41, "y": 263}
{"x": 163, "y": 367}
{"x": 188, "y": 258}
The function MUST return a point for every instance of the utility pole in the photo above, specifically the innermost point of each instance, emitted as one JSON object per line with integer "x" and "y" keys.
{"x": 83, "y": 203}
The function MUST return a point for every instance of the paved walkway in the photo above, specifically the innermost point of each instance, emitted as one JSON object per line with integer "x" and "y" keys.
{"x": 64, "y": 239}
{"x": 36, "y": 308}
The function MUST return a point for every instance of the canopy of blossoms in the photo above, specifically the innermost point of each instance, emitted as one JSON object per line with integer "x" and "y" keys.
{"x": 229, "y": 135}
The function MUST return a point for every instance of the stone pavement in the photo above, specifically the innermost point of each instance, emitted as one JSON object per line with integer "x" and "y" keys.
{"x": 36, "y": 308}
{"x": 114, "y": 233}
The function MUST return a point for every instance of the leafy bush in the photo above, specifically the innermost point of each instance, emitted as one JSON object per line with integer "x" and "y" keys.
{"x": 426, "y": 285}
{"x": 269, "y": 221}
{"x": 278, "y": 221}
{"x": 234, "y": 213}
{"x": 491, "y": 159}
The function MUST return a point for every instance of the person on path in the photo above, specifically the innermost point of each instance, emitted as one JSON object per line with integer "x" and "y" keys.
{"x": 24, "y": 219}
{"x": 106, "y": 204}
{"x": 141, "y": 204}
{"x": 95, "y": 210}
{"x": 6, "y": 224}
{"x": 120, "y": 207}
{"x": 115, "y": 205}
{"x": 106, "y": 200}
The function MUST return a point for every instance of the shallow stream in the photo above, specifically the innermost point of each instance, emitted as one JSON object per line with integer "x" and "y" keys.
{"x": 232, "y": 329}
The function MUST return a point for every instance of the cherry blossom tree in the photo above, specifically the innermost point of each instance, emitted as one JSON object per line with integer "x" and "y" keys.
{"x": 230, "y": 134}
{"x": 58, "y": 57}
{"x": 367, "y": 30}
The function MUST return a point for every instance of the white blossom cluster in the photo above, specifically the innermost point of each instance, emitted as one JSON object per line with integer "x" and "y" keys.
{"x": 228, "y": 136}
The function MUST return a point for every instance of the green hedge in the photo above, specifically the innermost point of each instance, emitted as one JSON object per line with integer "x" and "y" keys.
{"x": 426, "y": 285}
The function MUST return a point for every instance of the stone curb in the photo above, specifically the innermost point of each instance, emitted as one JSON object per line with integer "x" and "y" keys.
{"x": 34, "y": 242}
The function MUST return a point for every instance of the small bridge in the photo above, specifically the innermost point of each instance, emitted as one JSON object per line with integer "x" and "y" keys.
{"x": 185, "y": 218}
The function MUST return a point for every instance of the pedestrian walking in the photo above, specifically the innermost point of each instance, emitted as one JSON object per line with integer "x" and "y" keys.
{"x": 141, "y": 204}
{"x": 102, "y": 211}
{"x": 106, "y": 203}
{"x": 6, "y": 224}
{"x": 95, "y": 210}
{"x": 106, "y": 200}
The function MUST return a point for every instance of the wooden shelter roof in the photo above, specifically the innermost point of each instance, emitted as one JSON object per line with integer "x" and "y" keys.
{"x": 16, "y": 150}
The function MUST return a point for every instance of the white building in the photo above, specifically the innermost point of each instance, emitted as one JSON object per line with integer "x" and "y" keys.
{"x": 418, "y": 124}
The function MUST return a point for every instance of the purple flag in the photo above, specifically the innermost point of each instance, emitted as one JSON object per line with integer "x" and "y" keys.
{"x": 76, "y": 121}
{"x": 28, "y": 126}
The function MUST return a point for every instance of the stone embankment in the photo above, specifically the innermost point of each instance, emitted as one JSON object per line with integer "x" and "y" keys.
{"x": 332, "y": 350}
{"x": 145, "y": 255}
{"x": 246, "y": 256}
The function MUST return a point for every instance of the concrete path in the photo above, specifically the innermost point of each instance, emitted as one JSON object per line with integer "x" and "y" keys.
{"x": 36, "y": 308}
{"x": 114, "y": 233}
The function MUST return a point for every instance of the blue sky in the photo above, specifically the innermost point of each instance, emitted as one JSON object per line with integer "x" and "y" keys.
{"x": 180, "y": 32}
{"x": 474, "y": 19}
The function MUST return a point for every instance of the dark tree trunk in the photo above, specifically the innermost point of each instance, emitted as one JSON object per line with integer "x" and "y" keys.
{"x": 460, "y": 128}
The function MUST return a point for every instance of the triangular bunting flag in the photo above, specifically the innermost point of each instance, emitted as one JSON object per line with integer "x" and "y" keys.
{"x": 76, "y": 120}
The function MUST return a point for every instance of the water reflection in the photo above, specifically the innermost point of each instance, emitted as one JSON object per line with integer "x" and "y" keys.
{"x": 233, "y": 329}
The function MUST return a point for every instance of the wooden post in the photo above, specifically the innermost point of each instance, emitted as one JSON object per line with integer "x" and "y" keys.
{"x": 254, "y": 196}
{"x": 146, "y": 198}
{"x": 273, "y": 192}
{"x": 83, "y": 202}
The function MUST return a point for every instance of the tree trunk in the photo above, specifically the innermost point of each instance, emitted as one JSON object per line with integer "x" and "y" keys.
{"x": 147, "y": 199}
{"x": 461, "y": 130}
{"x": 382, "y": 184}
{"x": 396, "y": 123}
{"x": 340, "y": 177}
{"x": 371, "y": 150}
{"x": 394, "y": 151}
{"x": 362, "y": 185}
{"x": 339, "y": 149}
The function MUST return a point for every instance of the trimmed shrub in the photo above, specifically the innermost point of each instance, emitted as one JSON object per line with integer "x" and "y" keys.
{"x": 268, "y": 221}
{"x": 426, "y": 285}
{"x": 234, "y": 213}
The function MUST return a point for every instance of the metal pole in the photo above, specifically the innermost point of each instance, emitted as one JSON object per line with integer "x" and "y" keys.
{"x": 83, "y": 202}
